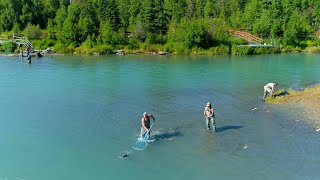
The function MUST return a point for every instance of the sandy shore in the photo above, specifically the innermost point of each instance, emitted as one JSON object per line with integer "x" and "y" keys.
{"x": 308, "y": 99}
{"x": 10, "y": 55}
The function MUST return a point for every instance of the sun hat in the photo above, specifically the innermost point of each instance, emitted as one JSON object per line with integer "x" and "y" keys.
{"x": 208, "y": 104}
{"x": 145, "y": 113}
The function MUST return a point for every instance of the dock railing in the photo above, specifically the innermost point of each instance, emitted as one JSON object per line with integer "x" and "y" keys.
{"x": 246, "y": 36}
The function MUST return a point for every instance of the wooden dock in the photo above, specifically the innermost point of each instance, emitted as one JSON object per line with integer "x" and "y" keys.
{"x": 257, "y": 45}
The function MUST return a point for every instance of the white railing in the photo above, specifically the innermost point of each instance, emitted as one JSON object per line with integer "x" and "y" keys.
{"x": 24, "y": 41}
{"x": 18, "y": 40}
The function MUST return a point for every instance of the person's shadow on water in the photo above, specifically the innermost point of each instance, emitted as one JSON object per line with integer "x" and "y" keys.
{"x": 167, "y": 135}
{"x": 223, "y": 128}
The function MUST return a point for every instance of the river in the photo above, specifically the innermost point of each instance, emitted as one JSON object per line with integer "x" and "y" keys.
{"x": 74, "y": 117}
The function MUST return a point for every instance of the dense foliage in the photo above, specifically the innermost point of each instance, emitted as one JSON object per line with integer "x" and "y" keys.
{"x": 168, "y": 25}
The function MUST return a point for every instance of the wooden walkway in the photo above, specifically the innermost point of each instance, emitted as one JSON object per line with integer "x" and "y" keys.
{"x": 19, "y": 40}
{"x": 246, "y": 36}
{"x": 257, "y": 45}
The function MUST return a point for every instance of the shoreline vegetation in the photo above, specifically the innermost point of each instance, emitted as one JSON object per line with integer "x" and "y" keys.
{"x": 154, "y": 50}
{"x": 308, "y": 99}
{"x": 175, "y": 27}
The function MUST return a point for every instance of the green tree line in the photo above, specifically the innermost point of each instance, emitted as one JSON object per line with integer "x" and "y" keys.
{"x": 169, "y": 25}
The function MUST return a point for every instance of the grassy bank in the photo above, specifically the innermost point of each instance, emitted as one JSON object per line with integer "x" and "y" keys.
{"x": 292, "y": 96}
{"x": 134, "y": 47}
{"x": 94, "y": 46}
{"x": 91, "y": 47}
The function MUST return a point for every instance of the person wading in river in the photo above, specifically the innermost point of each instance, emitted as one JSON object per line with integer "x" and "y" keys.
{"x": 210, "y": 117}
{"x": 145, "y": 125}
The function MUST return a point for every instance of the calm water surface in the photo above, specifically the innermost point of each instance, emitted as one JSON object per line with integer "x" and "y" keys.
{"x": 72, "y": 118}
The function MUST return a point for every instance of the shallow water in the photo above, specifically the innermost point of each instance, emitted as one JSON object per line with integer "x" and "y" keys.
{"x": 74, "y": 117}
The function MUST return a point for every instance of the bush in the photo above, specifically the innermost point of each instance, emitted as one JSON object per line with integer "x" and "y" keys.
{"x": 155, "y": 38}
{"x": 151, "y": 47}
{"x": 32, "y": 31}
{"x": 177, "y": 48}
{"x": 71, "y": 48}
{"x": 313, "y": 49}
{"x": 243, "y": 50}
{"x": 60, "y": 47}
{"x": 133, "y": 44}
{"x": 287, "y": 49}
{"x": 43, "y": 44}
{"x": 9, "y": 46}
{"x": 82, "y": 50}
{"x": 220, "y": 50}
{"x": 103, "y": 49}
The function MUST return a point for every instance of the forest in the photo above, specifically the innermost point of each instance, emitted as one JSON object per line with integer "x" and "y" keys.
{"x": 173, "y": 26}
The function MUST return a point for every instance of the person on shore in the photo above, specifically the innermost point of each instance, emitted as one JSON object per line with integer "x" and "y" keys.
{"x": 210, "y": 117}
{"x": 145, "y": 125}
{"x": 268, "y": 89}
{"x": 21, "y": 53}
{"x": 28, "y": 50}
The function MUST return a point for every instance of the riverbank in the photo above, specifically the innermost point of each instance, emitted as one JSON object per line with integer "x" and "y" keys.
{"x": 308, "y": 99}
{"x": 33, "y": 54}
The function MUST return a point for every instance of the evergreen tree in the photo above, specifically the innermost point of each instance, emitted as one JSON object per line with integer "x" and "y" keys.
{"x": 192, "y": 23}
{"x": 251, "y": 13}
{"x": 200, "y": 4}
{"x": 314, "y": 8}
{"x": 161, "y": 17}
{"x": 51, "y": 7}
{"x": 297, "y": 29}
{"x": 134, "y": 11}
{"x": 10, "y": 14}
{"x": 191, "y": 8}
{"x": 70, "y": 26}
{"x": 124, "y": 14}
{"x": 262, "y": 27}
{"x": 114, "y": 15}
{"x": 108, "y": 11}
{"x": 64, "y": 3}
{"x": 59, "y": 21}
{"x": 208, "y": 10}
{"x": 87, "y": 24}
{"x": 276, "y": 17}
{"x": 103, "y": 10}
{"x": 176, "y": 9}
{"x": 148, "y": 16}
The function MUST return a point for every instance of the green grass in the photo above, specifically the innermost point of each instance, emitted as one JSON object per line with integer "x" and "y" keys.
{"x": 278, "y": 96}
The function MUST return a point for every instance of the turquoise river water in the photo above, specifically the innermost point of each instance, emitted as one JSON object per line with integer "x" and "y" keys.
{"x": 74, "y": 117}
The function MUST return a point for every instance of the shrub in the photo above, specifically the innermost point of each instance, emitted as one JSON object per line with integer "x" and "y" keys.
{"x": 133, "y": 44}
{"x": 177, "y": 48}
{"x": 32, "y": 31}
{"x": 313, "y": 49}
{"x": 219, "y": 50}
{"x": 9, "y": 46}
{"x": 290, "y": 49}
{"x": 243, "y": 50}
{"x": 60, "y": 47}
{"x": 103, "y": 49}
